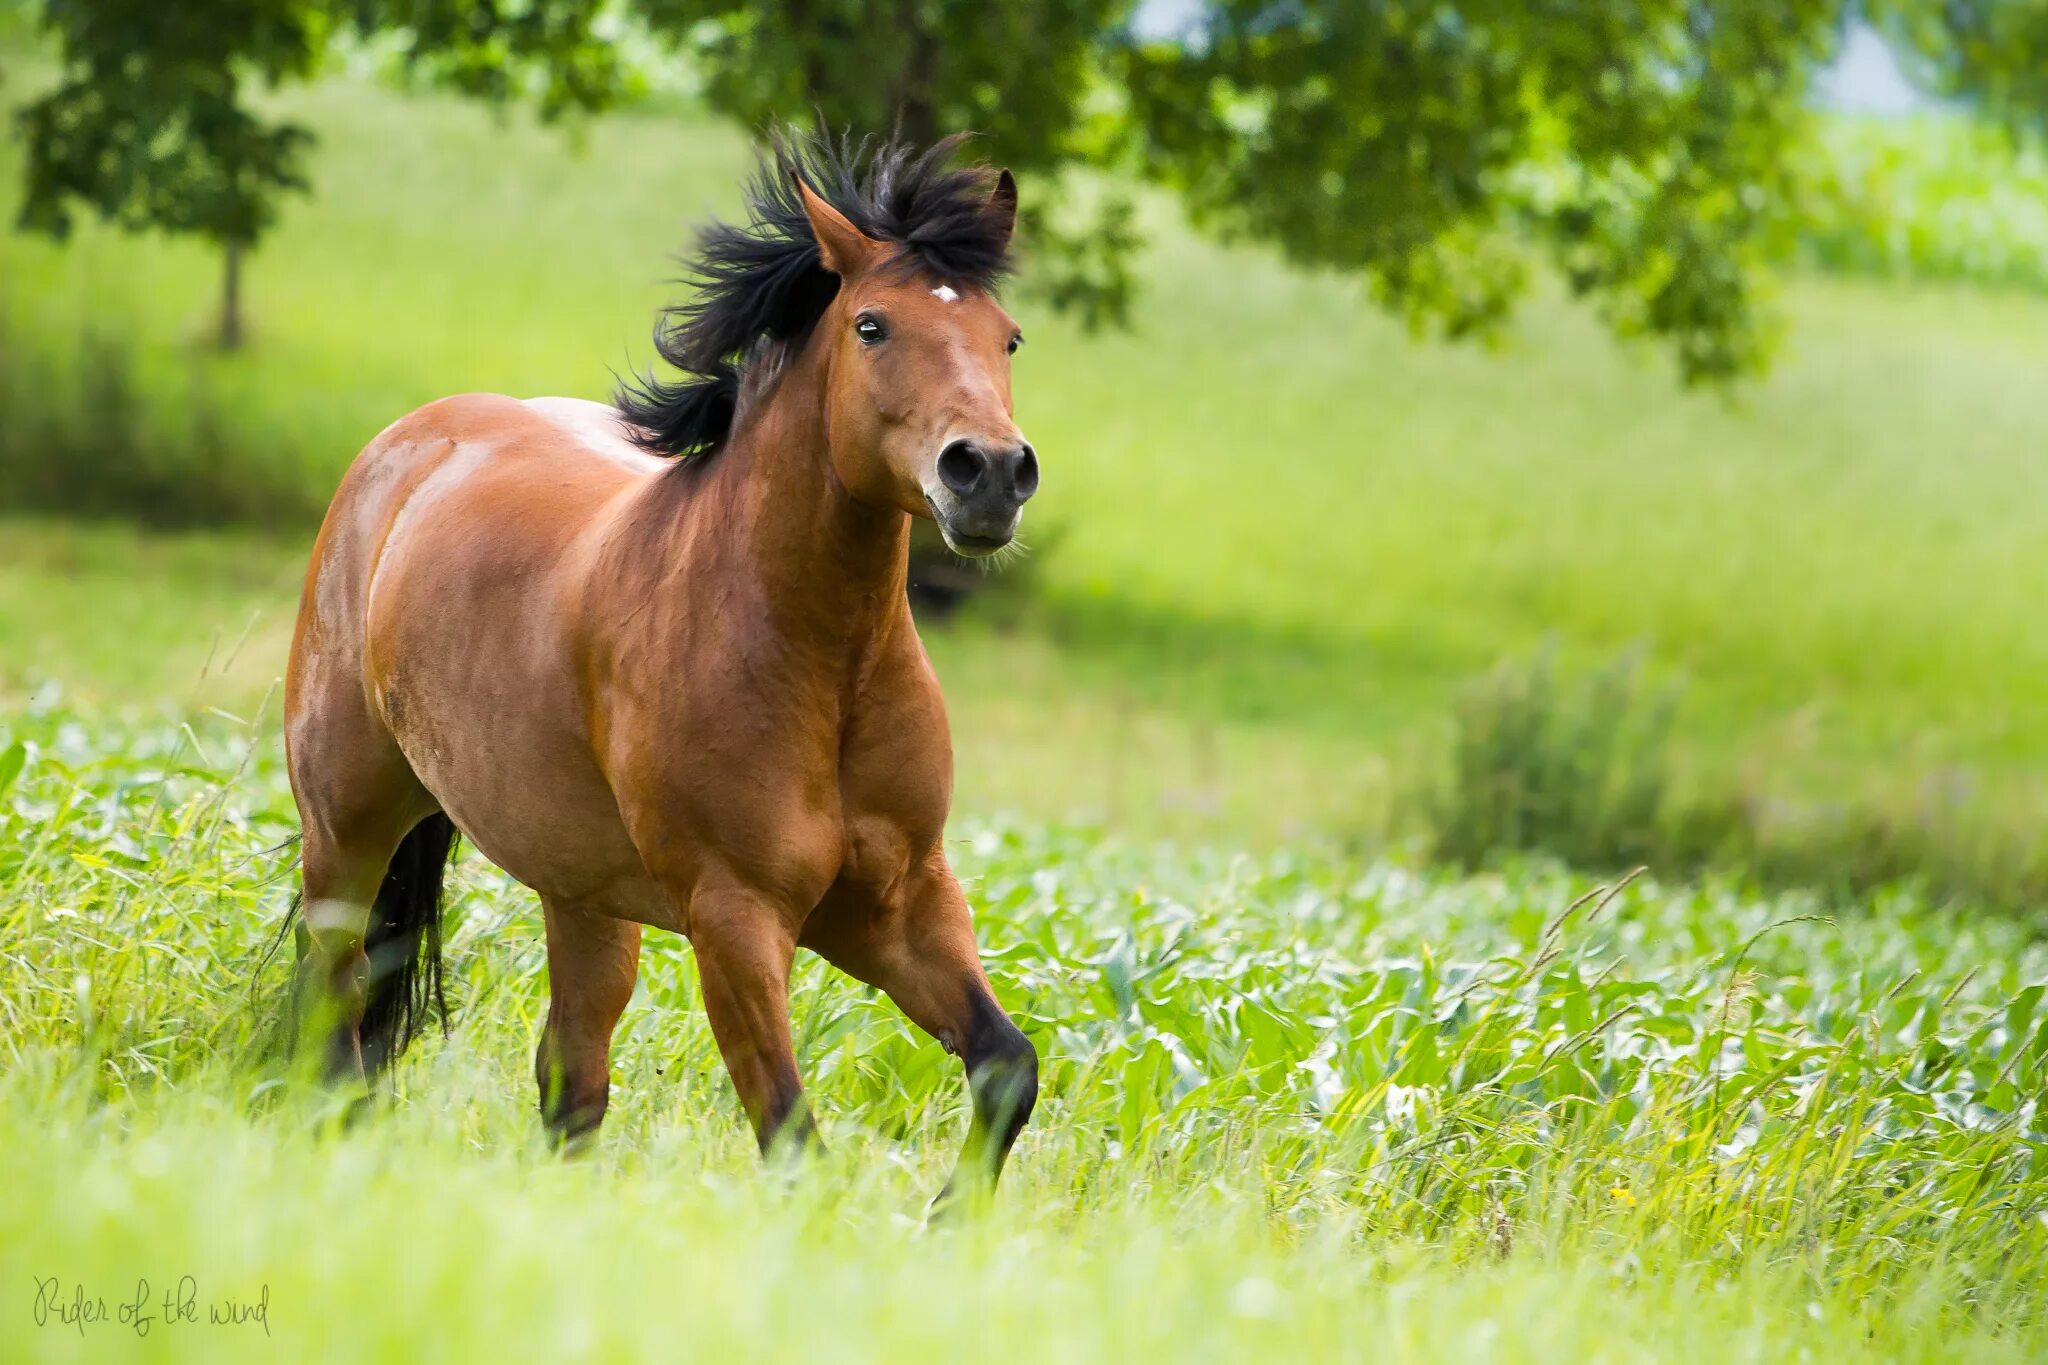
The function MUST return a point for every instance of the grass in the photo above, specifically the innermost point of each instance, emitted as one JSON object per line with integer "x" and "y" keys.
{"x": 1580, "y": 767}
{"x": 1293, "y": 1104}
{"x": 1297, "y": 1102}
{"x": 1273, "y": 513}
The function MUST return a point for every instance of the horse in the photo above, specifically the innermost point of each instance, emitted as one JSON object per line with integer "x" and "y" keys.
{"x": 655, "y": 658}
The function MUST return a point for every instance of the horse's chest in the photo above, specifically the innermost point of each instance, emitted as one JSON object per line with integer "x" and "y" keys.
{"x": 895, "y": 784}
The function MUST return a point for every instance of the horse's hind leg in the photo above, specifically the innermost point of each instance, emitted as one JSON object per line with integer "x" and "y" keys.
{"x": 592, "y": 962}
{"x": 358, "y": 800}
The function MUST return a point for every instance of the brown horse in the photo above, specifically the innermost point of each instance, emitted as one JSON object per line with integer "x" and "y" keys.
{"x": 656, "y": 661}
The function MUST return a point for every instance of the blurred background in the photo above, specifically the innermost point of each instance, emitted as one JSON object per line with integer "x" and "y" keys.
{"x": 1595, "y": 432}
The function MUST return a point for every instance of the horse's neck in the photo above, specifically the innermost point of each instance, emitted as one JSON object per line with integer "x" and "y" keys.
{"x": 769, "y": 510}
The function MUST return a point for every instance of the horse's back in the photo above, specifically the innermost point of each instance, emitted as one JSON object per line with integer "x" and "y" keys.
{"x": 441, "y": 600}
{"x": 472, "y": 475}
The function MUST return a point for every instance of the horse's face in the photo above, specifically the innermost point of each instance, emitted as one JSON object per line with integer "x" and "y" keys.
{"x": 918, "y": 387}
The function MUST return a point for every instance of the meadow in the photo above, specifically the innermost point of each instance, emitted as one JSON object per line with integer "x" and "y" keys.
{"x": 1305, "y": 1094}
{"x": 1271, "y": 525}
{"x": 1293, "y": 1106}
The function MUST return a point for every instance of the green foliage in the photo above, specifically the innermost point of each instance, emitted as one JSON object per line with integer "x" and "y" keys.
{"x": 147, "y": 126}
{"x": 557, "y": 55}
{"x": 1574, "y": 766}
{"x": 1392, "y": 139}
{"x": 87, "y": 435}
{"x": 1016, "y": 74}
{"x": 1290, "y": 1105}
{"x": 1926, "y": 199}
{"x": 1986, "y": 52}
{"x": 1580, "y": 767}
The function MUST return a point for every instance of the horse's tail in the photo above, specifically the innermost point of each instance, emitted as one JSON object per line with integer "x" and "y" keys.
{"x": 404, "y": 944}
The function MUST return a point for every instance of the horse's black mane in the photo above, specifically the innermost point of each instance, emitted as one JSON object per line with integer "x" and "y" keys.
{"x": 762, "y": 287}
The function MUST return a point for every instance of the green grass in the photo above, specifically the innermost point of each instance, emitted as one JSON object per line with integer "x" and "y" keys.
{"x": 1272, "y": 514}
{"x": 1296, "y": 1104}
{"x": 1293, "y": 1106}
{"x": 117, "y": 626}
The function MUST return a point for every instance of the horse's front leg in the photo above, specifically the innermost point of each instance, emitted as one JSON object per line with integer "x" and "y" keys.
{"x": 744, "y": 946}
{"x": 918, "y": 945}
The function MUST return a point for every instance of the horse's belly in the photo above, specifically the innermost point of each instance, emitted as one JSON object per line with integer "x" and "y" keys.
{"x": 552, "y": 825}
{"x": 484, "y": 707}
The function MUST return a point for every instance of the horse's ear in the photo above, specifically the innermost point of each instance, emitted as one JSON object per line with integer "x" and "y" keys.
{"x": 844, "y": 248}
{"x": 1001, "y": 207}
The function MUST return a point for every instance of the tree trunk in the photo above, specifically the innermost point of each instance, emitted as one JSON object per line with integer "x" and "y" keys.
{"x": 231, "y": 297}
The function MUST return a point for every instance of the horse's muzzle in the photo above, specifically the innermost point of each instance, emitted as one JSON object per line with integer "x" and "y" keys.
{"x": 981, "y": 492}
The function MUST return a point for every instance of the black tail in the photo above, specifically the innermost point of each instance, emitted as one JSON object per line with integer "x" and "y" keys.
{"x": 404, "y": 944}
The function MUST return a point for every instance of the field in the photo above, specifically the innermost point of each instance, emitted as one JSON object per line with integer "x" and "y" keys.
{"x": 1305, "y": 1094}
{"x": 1293, "y": 1106}
{"x": 1270, "y": 524}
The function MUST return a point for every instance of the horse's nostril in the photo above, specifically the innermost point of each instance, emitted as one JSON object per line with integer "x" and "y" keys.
{"x": 1027, "y": 472}
{"x": 960, "y": 466}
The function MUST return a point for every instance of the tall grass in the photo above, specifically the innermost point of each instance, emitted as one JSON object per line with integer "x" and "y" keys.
{"x": 87, "y": 435}
{"x": 1581, "y": 766}
{"x": 1291, "y": 1105}
{"x": 1574, "y": 766}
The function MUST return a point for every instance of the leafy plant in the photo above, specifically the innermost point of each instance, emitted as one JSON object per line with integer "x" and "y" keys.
{"x": 1301, "y": 1102}
{"x": 1577, "y": 766}
{"x": 1938, "y": 197}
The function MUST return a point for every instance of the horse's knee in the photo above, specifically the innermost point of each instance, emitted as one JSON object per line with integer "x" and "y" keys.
{"x": 330, "y": 989}
{"x": 1002, "y": 1071}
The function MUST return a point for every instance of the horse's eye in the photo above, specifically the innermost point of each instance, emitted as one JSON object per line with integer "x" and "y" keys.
{"x": 870, "y": 330}
{"x": 1015, "y": 342}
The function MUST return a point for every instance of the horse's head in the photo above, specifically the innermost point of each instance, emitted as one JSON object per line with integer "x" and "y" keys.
{"x": 918, "y": 382}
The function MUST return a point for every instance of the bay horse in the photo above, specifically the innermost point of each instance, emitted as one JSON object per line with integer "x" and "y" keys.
{"x": 656, "y": 661}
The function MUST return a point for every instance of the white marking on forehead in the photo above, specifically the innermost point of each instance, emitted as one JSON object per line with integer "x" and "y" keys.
{"x": 944, "y": 294}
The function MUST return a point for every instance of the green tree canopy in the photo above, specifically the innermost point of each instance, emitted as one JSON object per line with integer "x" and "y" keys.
{"x": 150, "y": 124}
{"x": 1438, "y": 149}
{"x": 1423, "y": 144}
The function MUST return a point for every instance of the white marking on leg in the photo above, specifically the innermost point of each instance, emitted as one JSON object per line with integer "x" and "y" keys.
{"x": 338, "y": 918}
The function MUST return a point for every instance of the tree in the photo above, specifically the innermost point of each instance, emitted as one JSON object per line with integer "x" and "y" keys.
{"x": 1024, "y": 75}
{"x": 150, "y": 126}
{"x": 1989, "y": 53}
{"x": 1425, "y": 146}
{"x": 1420, "y": 144}
{"x": 1436, "y": 148}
